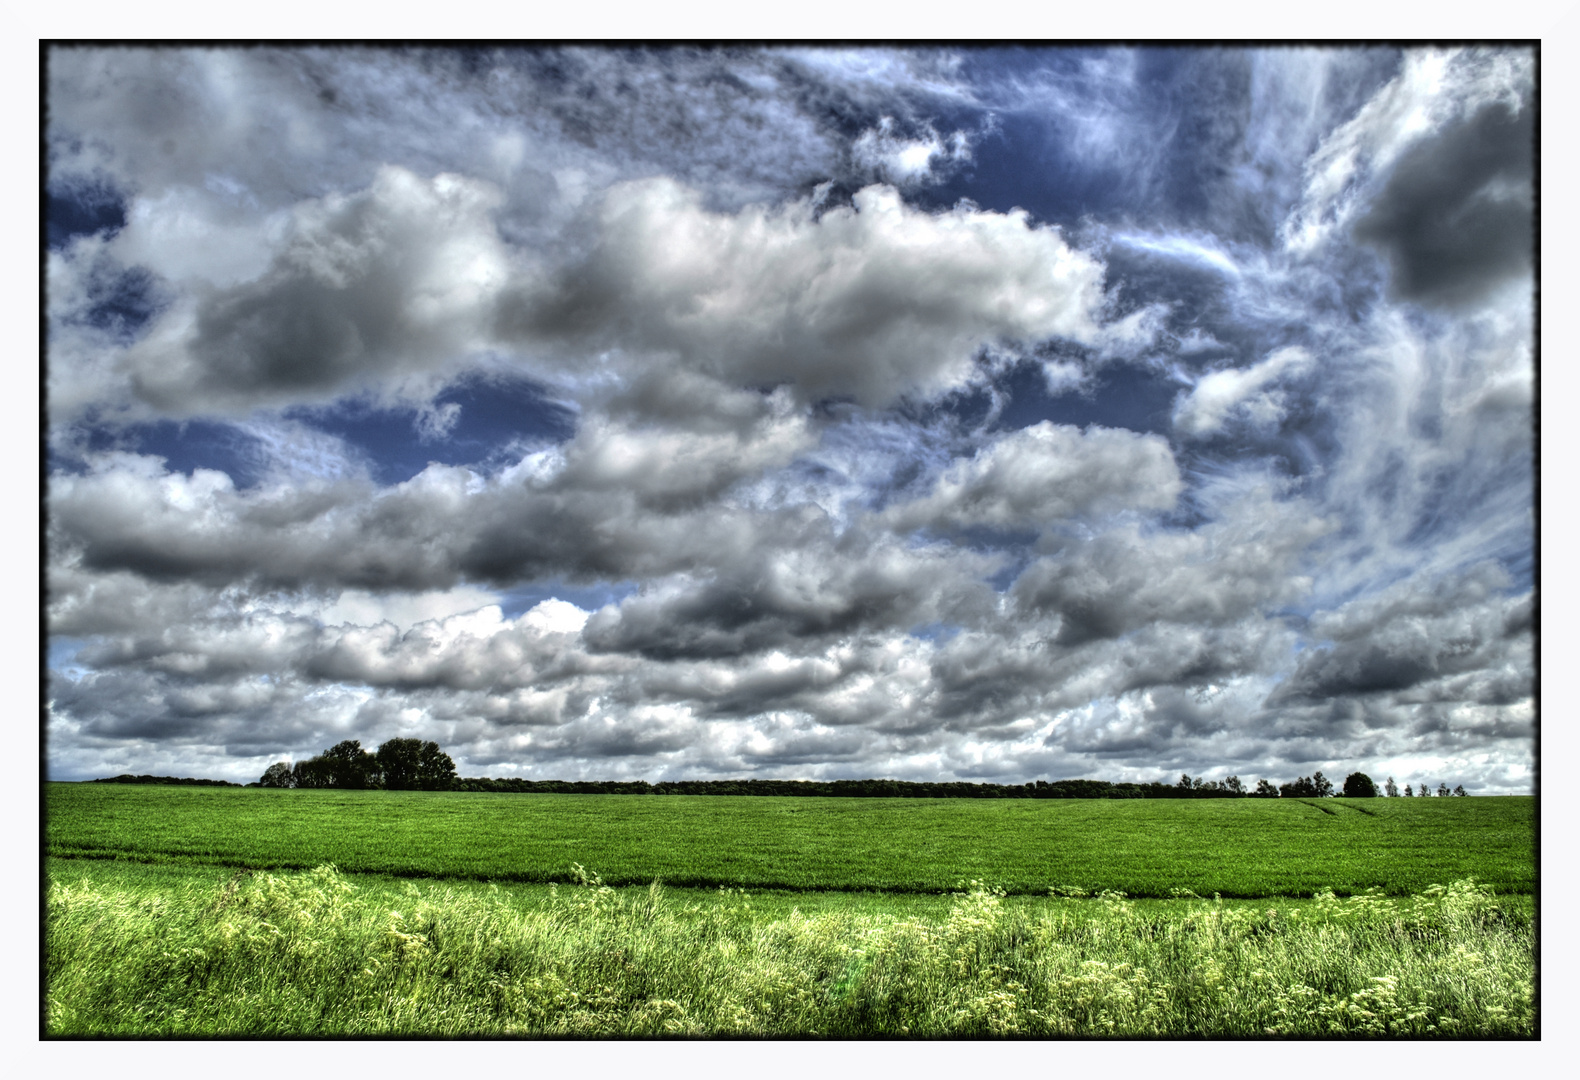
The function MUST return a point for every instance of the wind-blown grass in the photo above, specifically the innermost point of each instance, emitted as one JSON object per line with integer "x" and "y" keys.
{"x": 313, "y": 953}
{"x": 1236, "y": 847}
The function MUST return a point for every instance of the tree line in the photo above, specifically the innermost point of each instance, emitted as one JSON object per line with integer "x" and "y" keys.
{"x": 1356, "y": 785}
{"x": 397, "y": 765}
{"x": 185, "y": 781}
{"x": 415, "y": 765}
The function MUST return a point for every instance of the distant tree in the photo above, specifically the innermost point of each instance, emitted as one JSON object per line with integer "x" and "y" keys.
{"x": 352, "y": 766}
{"x": 1265, "y": 790}
{"x": 1423, "y": 790}
{"x": 1357, "y": 785}
{"x": 399, "y": 761}
{"x": 1186, "y": 783}
{"x": 315, "y": 772}
{"x": 1408, "y": 793}
{"x": 435, "y": 769}
{"x": 1305, "y": 788}
{"x": 1323, "y": 785}
{"x": 1442, "y": 791}
{"x": 1392, "y": 789}
{"x": 411, "y": 764}
{"x": 1233, "y": 784}
{"x": 1459, "y": 789}
{"x": 277, "y": 775}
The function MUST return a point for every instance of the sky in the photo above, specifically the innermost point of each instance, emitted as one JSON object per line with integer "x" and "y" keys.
{"x": 984, "y": 414}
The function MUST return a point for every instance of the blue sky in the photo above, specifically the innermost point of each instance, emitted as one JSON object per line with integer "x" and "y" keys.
{"x": 988, "y": 414}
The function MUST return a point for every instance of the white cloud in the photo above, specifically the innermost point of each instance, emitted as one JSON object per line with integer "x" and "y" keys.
{"x": 873, "y": 301}
{"x": 1239, "y": 393}
{"x": 891, "y": 158}
{"x": 359, "y": 607}
{"x": 555, "y": 616}
{"x": 1045, "y": 475}
{"x": 400, "y": 277}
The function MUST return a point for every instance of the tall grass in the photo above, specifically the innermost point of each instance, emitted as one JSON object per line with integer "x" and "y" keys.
{"x": 312, "y": 953}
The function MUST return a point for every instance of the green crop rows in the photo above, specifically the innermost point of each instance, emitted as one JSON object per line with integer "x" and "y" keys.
{"x": 1145, "y": 848}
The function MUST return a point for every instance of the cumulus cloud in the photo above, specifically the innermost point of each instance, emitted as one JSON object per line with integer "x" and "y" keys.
{"x": 444, "y": 526}
{"x": 988, "y": 414}
{"x": 778, "y": 599}
{"x": 1246, "y": 562}
{"x": 1239, "y": 393}
{"x": 871, "y": 301}
{"x": 396, "y": 278}
{"x": 1044, "y": 475}
{"x": 894, "y": 159}
{"x": 1419, "y": 632}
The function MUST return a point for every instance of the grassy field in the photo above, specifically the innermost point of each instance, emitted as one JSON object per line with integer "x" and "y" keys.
{"x": 321, "y": 953}
{"x": 1145, "y": 848}
{"x": 191, "y": 911}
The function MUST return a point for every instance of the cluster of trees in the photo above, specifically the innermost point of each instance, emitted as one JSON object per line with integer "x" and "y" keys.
{"x": 1315, "y": 786}
{"x": 1229, "y": 787}
{"x": 1357, "y": 786}
{"x": 187, "y": 781}
{"x": 414, "y": 765}
{"x": 397, "y": 765}
{"x": 1187, "y": 788}
{"x": 1392, "y": 790}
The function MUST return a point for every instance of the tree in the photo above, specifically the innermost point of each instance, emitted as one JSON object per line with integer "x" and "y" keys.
{"x": 351, "y": 766}
{"x": 1185, "y": 783}
{"x": 1265, "y": 790}
{"x": 400, "y": 761}
{"x": 411, "y": 764}
{"x": 1323, "y": 785}
{"x": 1303, "y": 787}
{"x": 435, "y": 770}
{"x": 1357, "y": 785}
{"x": 1459, "y": 790}
{"x": 1233, "y": 784}
{"x": 1408, "y": 793}
{"x": 277, "y": 775}
{"x": 1423, "y": 790}
{"x": 315, "y": 772}
{"x": 1391, "y": 789}
{"x": 1442, "y": 791}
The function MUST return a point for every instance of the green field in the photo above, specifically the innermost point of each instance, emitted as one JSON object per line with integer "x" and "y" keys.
{"x": 137, "y": 950}
{"x": 1145, "y": 848}
{"x": 211, "y": 911}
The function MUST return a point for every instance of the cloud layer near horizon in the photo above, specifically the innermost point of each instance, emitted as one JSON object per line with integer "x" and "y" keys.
{"x": 977, "y": 414}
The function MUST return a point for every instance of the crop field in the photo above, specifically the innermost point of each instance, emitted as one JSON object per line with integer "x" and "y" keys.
{"x": 190, "y": 911}
{"x": 1144, "y": 848}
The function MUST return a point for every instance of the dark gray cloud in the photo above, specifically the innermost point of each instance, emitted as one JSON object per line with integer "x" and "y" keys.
{"x": 1420, "y": 631}
{"x": 1455, "y": 217}
{"x": 811, "y": 587}
{"x": 1123, "y": 580}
